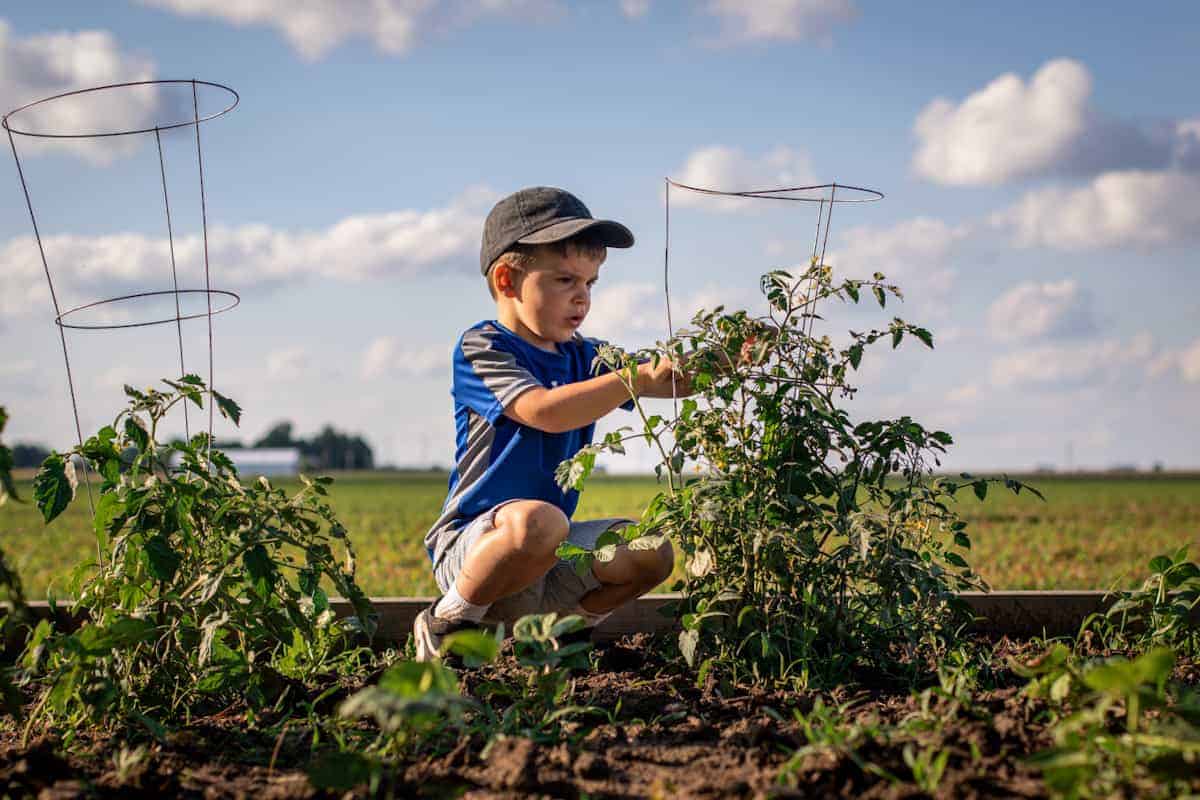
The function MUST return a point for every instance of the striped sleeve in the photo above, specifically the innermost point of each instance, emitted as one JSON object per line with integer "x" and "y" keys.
{"x": 486, "y": 377}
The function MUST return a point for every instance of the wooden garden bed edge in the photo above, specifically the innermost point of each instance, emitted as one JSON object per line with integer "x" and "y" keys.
{"x": 1013, "y": 613}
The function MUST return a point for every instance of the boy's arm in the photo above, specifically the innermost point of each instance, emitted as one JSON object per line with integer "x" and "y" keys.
{"x": 575, "y": 405}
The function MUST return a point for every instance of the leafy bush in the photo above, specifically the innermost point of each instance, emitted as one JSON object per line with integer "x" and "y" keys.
{"x": 207, "y": 591}
{"x": 813, "y": 544}
{"x": 1163, "y": 612}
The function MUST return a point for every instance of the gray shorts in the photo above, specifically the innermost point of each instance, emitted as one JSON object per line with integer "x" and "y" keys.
{"x": 558, "y": 590}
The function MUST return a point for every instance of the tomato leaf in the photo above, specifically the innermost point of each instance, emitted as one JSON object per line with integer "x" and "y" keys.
{"x": 52, "y": 489}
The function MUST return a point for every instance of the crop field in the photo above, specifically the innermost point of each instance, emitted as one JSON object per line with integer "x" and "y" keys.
{"x": 1091, "y": 533}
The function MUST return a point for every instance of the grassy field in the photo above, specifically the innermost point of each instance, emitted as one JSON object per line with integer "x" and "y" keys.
{"x": 1092, "y": 533}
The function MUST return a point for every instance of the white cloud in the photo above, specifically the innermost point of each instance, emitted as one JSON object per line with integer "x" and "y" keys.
{"x": 965, "y": 394}
{"x": 728, "y": 169}
{"x": 387, "y": 357}
{"x": 42, "y": 65}
{"x": 1115, "y": 209}
{"x": 1187, "y": 144}
{"x": 914, "y": 253}
{"x": 1186, "y": 361}
{"x": 398, "y": 243}
{"x": 780, "y": 20}
{"x": 1041, "y": 311}
{"x": 633, "y": 314}
{"x": 1011, "y": 129}
{"x": 635, "y": 9}
{"x": 1005, "y": 130}
{"x": 314, "y": 27}
{"x": 1189, "y": 363}
{"x": 289, "y": 364}
{"x": 1063, "y": 366}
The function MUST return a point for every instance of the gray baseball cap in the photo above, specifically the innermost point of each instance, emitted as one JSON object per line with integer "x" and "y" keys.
{"x": 540, "y": 215}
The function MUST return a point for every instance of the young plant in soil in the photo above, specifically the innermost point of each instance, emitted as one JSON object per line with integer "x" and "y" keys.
{"x": 418, "y": 707}
{"x": 207, "y": 592}
{"x": 814, "y": 544}
{"x": 539, "y": 707}
{"x": 1123, "y": 729}
{"x": 1163, "y": 612}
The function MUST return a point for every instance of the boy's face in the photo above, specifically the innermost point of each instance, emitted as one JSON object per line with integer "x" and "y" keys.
{"x": 552, "y": 298}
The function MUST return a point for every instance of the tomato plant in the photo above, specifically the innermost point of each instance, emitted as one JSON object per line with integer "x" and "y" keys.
{"x": 207, "y": 590}
{"x": 813, "y": 543}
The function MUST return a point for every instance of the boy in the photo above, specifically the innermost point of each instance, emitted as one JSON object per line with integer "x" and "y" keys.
{"x": 524, "y": 400}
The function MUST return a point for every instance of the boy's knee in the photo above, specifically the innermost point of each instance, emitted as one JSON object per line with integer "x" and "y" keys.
{"x": 534, "y": 527}
{"x": 655, "y": 566}
{"x": 665, "y": 563}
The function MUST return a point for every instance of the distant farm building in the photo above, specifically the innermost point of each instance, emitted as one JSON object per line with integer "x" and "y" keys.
{"x": 251, "y": 461}
{"x": 254, "y": 461}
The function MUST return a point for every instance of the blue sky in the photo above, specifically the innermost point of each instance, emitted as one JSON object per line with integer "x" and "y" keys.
{"x": 1042, "y": 173}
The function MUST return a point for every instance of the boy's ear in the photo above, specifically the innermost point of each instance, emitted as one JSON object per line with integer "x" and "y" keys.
{"x": 504, "y": 279}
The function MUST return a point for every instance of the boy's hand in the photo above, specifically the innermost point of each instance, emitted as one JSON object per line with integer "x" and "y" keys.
{"x": 766, "y": 334}
{"x": 657, "y": 381}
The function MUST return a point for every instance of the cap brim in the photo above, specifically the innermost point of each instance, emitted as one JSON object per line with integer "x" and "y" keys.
{"x": 614, "y": 233}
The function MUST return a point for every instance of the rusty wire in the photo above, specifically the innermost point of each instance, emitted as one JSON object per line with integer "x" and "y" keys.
{"x": 825, "y": 195}
{"x": 61, "y": 316}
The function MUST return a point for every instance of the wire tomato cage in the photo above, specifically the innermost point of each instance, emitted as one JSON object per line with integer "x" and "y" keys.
{"x": 825, "y": 196}
{"x": 24, "y": 122}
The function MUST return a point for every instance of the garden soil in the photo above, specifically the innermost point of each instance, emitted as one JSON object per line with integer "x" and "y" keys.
{"x": 673, "y": 739}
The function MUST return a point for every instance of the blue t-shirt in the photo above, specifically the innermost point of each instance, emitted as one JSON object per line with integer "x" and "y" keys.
{"x": 497, "y": 458}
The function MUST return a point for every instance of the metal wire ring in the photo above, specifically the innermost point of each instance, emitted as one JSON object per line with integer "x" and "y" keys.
{"x": 167, "y": 292}
{"x": 193, "y": 82}
{"x": 871, "y": 195}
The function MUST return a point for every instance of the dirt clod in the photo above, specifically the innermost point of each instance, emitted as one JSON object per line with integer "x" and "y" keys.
{"x": 590, "y": 765}
{"x": 512, "y": 764}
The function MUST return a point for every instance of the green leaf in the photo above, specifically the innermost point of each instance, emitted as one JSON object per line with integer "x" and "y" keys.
{"x": 228, "y": 408}
{"x": 962, "y": 540}
{"x": 414, "y": 680}
{"x": 136, "y": 430}
{"x": 688, "y": 640}
{"x": 161, "y": 559}
{"x": 1155, "y": 666}
{"x": 107, "y": 509}
{"x": 474, "y": 646}
{"x": 1160, "y": 564}
{"x": 341, "y": 771}
{"x": 897, "y": 335}
{"x": 260, "y": 569}
{"x": 880, "y": 297}
{"x": 924, "y": 335}
{"x": 956, "y": 559}
{"x": 855, "y": 354}
{"x": 7, "y": 487}
{"x": 980, "y": 488}
{"x": 52, "y": 489}
{"x": 568, "y": 624}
